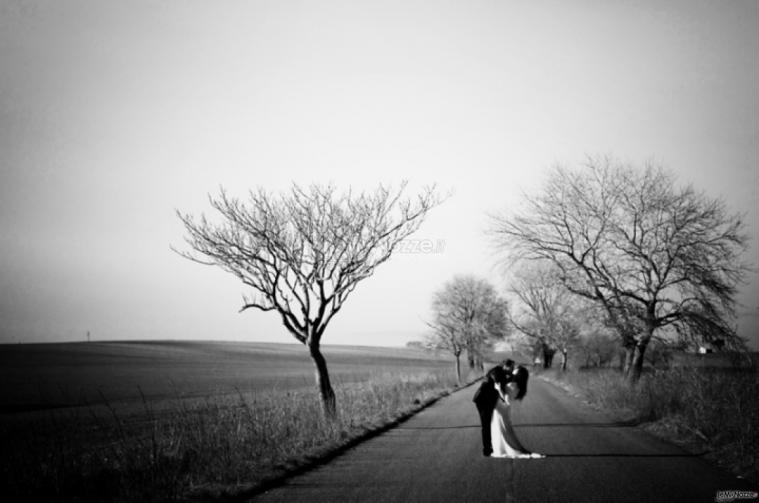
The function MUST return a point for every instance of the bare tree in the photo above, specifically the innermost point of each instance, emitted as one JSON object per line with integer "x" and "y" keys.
{"x": 467, "y": 314}
{"x": 651, "y": 253}
{"x": 597, "y": 343}
{"x": 447, "y": 336}
{"x": 304, "y": 251}
{"x": 597, "y": 348}
{"x": 525, "y": 347}
{"x": 549, "y": 312}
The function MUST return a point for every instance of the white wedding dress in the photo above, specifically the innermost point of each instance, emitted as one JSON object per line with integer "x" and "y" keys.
{"x": 505, "y": 442}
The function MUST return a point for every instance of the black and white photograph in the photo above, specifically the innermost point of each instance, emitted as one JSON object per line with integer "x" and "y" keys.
{"x": 411, "y": 251}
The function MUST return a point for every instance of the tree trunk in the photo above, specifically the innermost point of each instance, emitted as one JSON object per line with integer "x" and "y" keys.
{"x": 637, "y": 363}
{"x": 547, "y": 356}
{"x": 636, "y": 367}
{"x": 563, "y": 360}
{"x": 470, "y": 359}
{"x": 629, "y": 354}
{"x": 458, "y": 368}
{"x": 322, "y": 380}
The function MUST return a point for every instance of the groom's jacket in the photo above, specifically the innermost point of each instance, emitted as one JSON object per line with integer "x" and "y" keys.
{"x": 486, "y": 396}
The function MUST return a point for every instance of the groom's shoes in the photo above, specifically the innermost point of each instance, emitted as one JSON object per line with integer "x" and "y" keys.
{"x": 487, "y": 453}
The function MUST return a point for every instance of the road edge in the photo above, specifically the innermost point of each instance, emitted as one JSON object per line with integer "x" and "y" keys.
{"x": 316, "y": 459}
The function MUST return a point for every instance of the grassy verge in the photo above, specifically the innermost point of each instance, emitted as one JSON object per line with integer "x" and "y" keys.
{"x": 700, "y": 409}
{"x": 225, "y": 446}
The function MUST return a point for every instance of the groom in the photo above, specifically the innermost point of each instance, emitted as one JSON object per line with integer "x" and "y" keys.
{"x": 485, "y": 399}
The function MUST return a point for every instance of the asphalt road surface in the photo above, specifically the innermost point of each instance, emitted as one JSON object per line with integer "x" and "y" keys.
{"x": 436, "y": 456}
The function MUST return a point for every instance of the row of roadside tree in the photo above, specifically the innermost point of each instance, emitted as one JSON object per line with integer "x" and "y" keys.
{"x": 602, "y": 255}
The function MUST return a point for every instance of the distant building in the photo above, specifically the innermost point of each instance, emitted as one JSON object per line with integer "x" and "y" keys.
{"x": 711, "y": 346}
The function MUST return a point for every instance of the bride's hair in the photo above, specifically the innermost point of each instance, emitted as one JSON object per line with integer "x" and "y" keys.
{"x": 521, "y": 376}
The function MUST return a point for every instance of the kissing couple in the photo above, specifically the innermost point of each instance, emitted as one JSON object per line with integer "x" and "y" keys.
{"x": 501, "y": 387}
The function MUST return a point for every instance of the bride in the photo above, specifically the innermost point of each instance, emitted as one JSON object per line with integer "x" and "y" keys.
{"x": 510, "y": 387}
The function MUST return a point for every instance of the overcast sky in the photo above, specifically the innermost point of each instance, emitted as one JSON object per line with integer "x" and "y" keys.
{"x": 113, "y": 114}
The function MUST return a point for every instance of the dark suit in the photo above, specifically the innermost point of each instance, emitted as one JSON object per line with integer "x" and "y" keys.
{"x": 485, "y": 399}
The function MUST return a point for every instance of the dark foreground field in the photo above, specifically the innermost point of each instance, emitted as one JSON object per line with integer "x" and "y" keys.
{"x": 44, "y": 376}
{"x": 157, "y": 421}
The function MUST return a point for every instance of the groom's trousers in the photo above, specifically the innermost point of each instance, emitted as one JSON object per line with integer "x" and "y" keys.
{"x": 485, "y": 416}
{"x": 485, "y": 399}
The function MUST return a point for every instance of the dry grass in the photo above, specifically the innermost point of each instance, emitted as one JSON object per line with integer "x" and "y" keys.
{"x": 715, "y": 410}
{"x": 222, "y": 444}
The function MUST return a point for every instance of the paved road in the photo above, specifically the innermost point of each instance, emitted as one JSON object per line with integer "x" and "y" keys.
{"x": 436, "y": 457}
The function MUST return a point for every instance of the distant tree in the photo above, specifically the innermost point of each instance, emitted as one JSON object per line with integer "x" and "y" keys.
{"x": 528, "y": 348}
{"x": 529, "y": 340}
{"x": 467, "y": 314}
{"x": 415, "y": 345}
{"x": 548, "y": 312}
{"x": 597, "y": 345}
{"x": 304, "y": 251}
{"x": 651, "y": 253}
{"x": 446, "y": 336}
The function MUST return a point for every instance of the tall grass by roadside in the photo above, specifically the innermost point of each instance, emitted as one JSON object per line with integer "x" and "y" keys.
{"x": 716, "y": 409}
{"x": 213, "y": 445}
